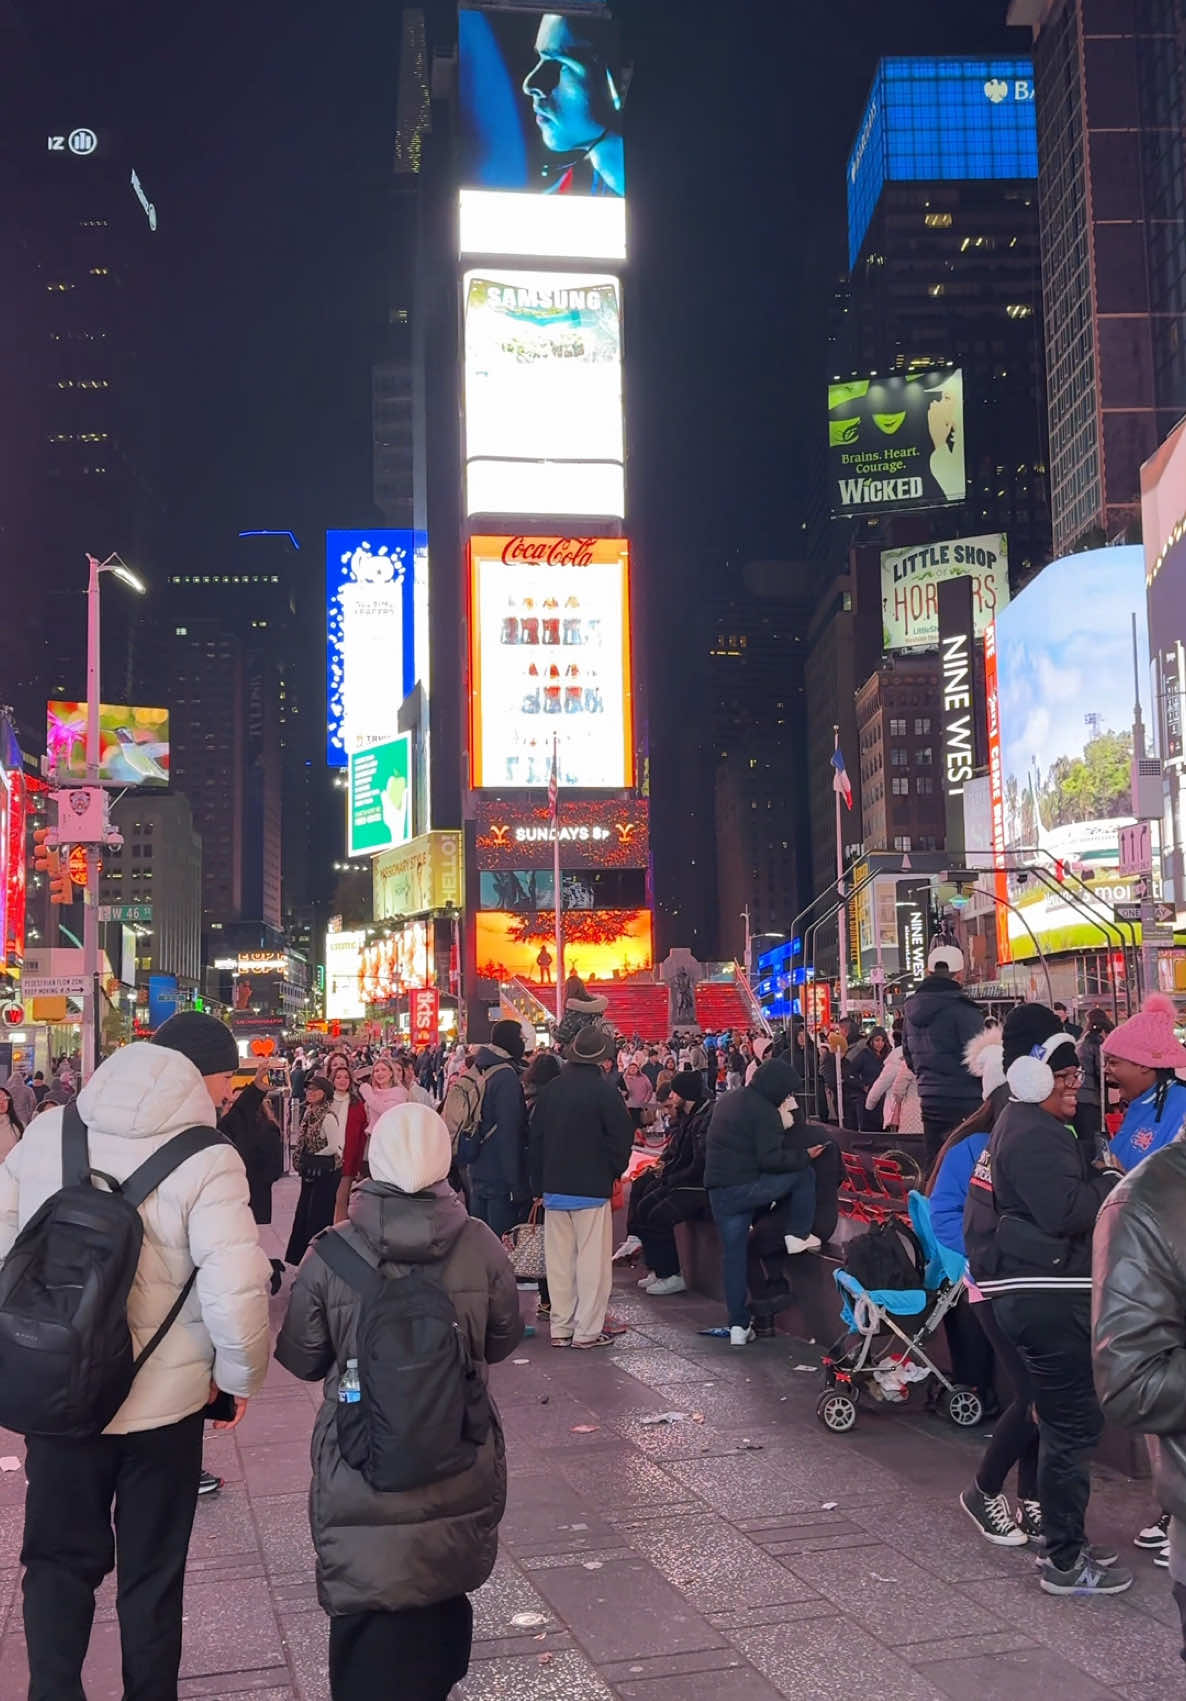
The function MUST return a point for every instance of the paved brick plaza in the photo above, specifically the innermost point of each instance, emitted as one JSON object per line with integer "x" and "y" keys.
{"x": 669, "y": 1563}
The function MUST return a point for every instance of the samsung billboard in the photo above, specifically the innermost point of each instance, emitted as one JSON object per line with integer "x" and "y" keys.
{"x": 940, "y": 120}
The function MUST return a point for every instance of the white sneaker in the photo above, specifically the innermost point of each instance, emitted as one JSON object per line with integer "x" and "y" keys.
{"x": 809, "y": 1243}
{"x": 648, "y": 1281}
{"x": 1154, "y": 1535}
{"x": 628, "y": 1248}
{"x": 664, "y": 1285}
{"x": 739, "y": 1337}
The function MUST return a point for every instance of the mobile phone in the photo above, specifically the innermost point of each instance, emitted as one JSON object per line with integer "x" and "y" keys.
{"x": 221, "y": 1409}
{"x": 277, "y": 1077}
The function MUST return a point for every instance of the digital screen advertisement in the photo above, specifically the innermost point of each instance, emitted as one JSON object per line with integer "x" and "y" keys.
{"x": 910, "y": 580}
{"x": 595, "y": 833}
{"x": 550, "y": 661}
{"x": 543, "y": 394}
{"x": 371, "y": 624}
{"x": 542, "y": 100}
{"x": 393, "y": 964}
{"x": 380, "y": 796}
{"x": 896, "y": 444}
{"x": 598, "y": 944}
{"x": 1059, "y": 668}
{"x": 133, "y": 743}
{"x": 343, "y": 975}
{"x": 425, "y": 874}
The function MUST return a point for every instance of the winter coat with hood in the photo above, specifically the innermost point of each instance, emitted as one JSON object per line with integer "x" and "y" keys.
{"x": 1139, "y": 1322}
{"x": 501, "y": 1165}
{"x": 746, "y": 1137}
{"x": 260, "y": 1144}
{"x": 24, "y": 1099}
{"x": 382, "y": 1552}
{"x": 199, "y": 1217}
{"x": 897, "y": 1086}
{"x": 940, "y": 1020}
{"x": 581, "y": 1134}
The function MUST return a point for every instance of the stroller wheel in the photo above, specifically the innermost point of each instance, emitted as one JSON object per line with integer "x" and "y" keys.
{"x": 837, "y": 1410}
{"x": 963, "y": 1407}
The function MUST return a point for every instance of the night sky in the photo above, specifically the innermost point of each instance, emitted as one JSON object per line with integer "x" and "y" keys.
{"x": 262, "y": 133}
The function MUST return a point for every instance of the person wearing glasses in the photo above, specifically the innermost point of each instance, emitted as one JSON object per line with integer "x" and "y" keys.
{"x": 1033, "y": 1199}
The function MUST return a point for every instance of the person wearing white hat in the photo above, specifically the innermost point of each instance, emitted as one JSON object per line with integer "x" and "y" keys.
{"x": 939, "y": 1021}
{"x": 395, "y": 1567}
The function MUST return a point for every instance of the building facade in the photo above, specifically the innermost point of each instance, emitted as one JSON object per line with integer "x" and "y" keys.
{"x": 898, "y": 728}
{"x": 1111, "y": 107}
{"x": 158, "y": 867}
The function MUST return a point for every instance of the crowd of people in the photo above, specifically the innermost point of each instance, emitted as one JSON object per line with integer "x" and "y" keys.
{"x": 1054, "y": 1168}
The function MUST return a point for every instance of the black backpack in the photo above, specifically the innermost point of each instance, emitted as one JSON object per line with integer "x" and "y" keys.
{"x": 424, "y": 1410}
{"x": 887, "y": 1257}
{"x": 66, "y": 1360}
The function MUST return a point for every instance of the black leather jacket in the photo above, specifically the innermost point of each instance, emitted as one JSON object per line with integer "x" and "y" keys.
{"x": 1139, "y": 1314}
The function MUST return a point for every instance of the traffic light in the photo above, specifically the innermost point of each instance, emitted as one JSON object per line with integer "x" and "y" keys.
{"x": 61, "y": 887}
{"x": 41, "y": 850}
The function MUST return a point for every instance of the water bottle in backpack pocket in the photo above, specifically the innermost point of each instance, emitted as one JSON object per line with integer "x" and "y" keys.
{"x": 415, "y": 1408}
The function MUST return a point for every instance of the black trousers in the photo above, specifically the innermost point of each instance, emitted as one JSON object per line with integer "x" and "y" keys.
{"x": 417, "y": 1654}
{"x": 1014, "y": 1434}
{"x": 1052, "y": 1334}
{"x": 70, "y": 1545}
{"x": 314, "y": 1212}
{"x": 970, "y": 1347}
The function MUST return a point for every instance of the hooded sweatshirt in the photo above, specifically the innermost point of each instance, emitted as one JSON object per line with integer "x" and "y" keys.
{"x": 746, "y": 1138}
{"x": 382, "y": 1552}
{"x": 199, "y": 1216}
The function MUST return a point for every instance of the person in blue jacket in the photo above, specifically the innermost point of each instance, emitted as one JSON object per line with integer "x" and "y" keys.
{"x": 1140, "y": 1057}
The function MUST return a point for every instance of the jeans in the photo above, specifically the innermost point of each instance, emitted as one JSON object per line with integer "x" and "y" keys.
{"x": 497, "y": 1209}
{"x": 150, "y": 1478}
{"x": 1052, "y": 1334}
{"x": 1015, "y": 1434}
{"x": 733, "y": 1210}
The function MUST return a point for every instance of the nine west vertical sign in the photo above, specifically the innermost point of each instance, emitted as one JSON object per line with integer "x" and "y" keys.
{"x": 957, "y": 678}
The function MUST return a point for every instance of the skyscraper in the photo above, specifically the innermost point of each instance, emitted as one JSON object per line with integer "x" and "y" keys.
{"x": 943, "y": 251}
{"x": 1111, "y": 107}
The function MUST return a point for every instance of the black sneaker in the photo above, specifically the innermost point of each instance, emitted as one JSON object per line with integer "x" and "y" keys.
{"x": 1085, "y": 1577}
{"x": 208, "y": 1483}
{"x": 991, "y": 1515}
{"x": 1029, "y": 1518}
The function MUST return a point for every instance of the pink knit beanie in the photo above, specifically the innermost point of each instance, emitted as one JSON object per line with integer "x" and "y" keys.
{"x": 1149, "y": 1039}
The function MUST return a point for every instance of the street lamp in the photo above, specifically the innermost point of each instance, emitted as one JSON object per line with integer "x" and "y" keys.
{"x": 90, "y": 930}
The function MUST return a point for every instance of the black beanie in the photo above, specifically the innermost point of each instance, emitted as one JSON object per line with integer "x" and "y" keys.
{"x": 775, "y": 1081}
{"x": 689, "y": 1084}
{"x": 508, "y": 1036}
{"x": 207, "y": 1042}
{"x": 1026, "y": 1026}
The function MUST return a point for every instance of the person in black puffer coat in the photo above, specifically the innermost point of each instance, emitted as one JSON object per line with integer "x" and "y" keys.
{"x": 673, "y": 1192}
{"x": 940, "y": 1021}
{"x": 750, "y": 1163}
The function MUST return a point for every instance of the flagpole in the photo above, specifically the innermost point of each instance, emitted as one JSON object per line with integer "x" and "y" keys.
{"x": 841, "y": 940}
{"x": 557, "y": 891}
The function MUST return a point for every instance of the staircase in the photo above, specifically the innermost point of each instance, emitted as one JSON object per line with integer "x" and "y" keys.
{"x": 517, "y": 999}
{"x": 726, "y": 1001}
{"x": 636, "y": 1007}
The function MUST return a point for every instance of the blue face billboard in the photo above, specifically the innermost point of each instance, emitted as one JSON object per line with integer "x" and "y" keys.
{"x": 940, "y": 120}
{"x": 372, "y": 611}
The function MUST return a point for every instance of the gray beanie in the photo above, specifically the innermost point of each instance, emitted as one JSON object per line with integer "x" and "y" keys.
{"x": 207, "y": 1042}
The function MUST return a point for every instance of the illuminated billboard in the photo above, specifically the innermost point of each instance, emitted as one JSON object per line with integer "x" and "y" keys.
{"x": 940, "y": 120}
{"x": 896, "y": 444}
{"x": 423, "y": 875}
{"x": 379, "y": 793}
{"x": 542, "y": 156}
{"x": 1059, "y": 671}
{"x": 594, "y": 833}
{"x": 910, "y": 580}
{"x": 543, "y": 394}
{"x": 396, "y": 962}
{"x": 598, "y": 944}
{"x": 371, "y": 581}
{"x": 550, "y": 656}
{"x": 343, "y": 975}
{"x": 133, "y": 743}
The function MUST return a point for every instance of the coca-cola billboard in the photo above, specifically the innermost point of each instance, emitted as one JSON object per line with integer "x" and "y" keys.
{"x": 550, "y": 663}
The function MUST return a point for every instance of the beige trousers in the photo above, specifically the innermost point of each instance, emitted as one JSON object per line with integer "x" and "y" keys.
{"x": 578, "y": 1248}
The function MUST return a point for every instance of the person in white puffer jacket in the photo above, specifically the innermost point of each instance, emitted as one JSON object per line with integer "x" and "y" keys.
{"x": 147, "y": 1461}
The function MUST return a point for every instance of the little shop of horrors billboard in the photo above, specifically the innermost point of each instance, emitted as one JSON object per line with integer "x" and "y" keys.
{"x": 910, "y": 580}
{"x": 594, "y": 833}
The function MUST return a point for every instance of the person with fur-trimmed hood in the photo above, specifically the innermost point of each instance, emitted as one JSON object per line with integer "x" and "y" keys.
{"x": 1033, "y": 1199}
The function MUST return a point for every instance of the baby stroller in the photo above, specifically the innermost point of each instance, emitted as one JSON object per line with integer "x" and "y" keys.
{"x": 882, "y": 1355}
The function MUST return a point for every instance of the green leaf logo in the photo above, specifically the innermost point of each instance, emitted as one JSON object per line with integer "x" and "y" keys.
{"x": 843, "y": 431}
{"x": 840, "y": 394}
{"x": 888, "y": 422}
